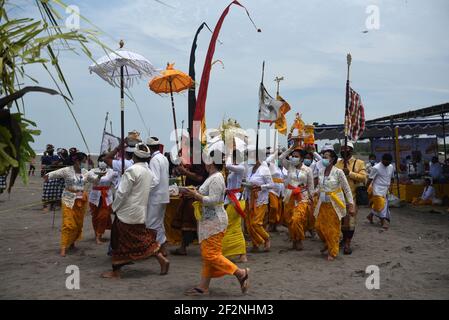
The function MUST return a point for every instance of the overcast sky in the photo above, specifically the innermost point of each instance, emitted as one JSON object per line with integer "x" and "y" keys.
{"x": 402, "y": 66}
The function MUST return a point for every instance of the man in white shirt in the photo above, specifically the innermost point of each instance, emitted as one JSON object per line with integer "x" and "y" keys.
{"x": 130, "y": 239}
{"x": 116, "y": 164}
{"x": 159, "y": 195}
{"x": 380, "y": 180}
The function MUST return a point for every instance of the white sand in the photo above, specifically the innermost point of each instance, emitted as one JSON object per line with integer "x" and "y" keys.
{"x": 413, "y": 257}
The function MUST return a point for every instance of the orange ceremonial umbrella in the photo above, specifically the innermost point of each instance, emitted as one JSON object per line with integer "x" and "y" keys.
{"x": 171, "y": 80}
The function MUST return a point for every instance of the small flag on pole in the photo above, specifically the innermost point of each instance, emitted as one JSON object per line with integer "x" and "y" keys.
{"x": 281, "y": 121}
{"x": 355, "y": 118}
{"x": 269, "y": 107}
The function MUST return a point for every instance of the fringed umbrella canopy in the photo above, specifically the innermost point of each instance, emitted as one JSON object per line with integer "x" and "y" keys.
{"x": 135, "y": 67}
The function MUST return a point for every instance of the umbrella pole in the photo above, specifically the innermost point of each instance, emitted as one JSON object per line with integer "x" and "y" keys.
{"x": 122, "y": 117}
{"x": 174, "y": 116}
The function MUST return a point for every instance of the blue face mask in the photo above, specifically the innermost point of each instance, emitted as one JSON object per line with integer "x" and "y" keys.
{"x": 294, "y": 161}
{"x": 325, "y": 162}
{"x": 308, "y": 162}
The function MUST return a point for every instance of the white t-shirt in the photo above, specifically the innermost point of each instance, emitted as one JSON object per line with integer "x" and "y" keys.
{"x": 381, "y": 177}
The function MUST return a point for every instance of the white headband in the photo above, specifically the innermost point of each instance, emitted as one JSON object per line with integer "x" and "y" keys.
{"x": 141, "y": 153}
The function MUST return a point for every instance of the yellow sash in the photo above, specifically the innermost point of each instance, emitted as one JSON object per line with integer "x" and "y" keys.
{"x": 334, "y": 196}
{"x": 278, "y": 180}
{"x": 198, "y": 209}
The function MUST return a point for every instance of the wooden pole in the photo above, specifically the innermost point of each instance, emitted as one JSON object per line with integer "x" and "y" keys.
{"x": 122, "y": 110}
{"x": 258, "y": 116}
{"x": 348, "y": 60}
{"x": 444, "y": 137}
{"x": 104, "y": 128}
{"x": 395, "y": 132}
{"x": 122, "y": 116}
{"x": 174, "y": 116}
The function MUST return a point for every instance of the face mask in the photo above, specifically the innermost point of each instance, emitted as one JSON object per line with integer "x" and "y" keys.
{"x": 102, "y": 165}
{"x": 295, "y": 161}
{"x": 307, "y": 162}
{"x": 325, "y": 162}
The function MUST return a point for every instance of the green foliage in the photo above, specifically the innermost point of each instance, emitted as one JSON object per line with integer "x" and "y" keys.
{"x": 27, "y": 41}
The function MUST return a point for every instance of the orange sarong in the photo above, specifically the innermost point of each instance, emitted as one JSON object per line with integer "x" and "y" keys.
{"x": 275, "y": 210}
{"x": 101, "y": 218}
{"x": 328, "y": 227}
{"x": 298, "y": 221}
{"x": 215, "y": 265}
{"x": 254, "y": 221}
{"x": 72, "y": 223}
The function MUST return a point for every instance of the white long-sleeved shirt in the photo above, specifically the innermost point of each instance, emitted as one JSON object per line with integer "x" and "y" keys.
{"x": 300, "y": 177}
{"x": 381, "y": 177}
{"x": 131, "y": 198}
{"x": 105, "y": 181}
{"x": 159, "y": 166}
{"x": 235, "y": 177}
{"x": 75, "y": 184}
{"x": 261, "y": 178}
{"x": 333, "y": 183}
{"x": 276, "y": 173}
{"x": 214, "y": 217}
{"x": 117, "y": 167}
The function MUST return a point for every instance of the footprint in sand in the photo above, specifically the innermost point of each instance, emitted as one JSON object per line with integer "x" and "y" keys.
{"x": 358, "y": 273}
{"x": 408, "y": 249}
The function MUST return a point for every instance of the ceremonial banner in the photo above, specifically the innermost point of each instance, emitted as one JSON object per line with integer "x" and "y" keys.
{"x": 268, "y": 106}
{"x": 109, "y": 143}
{"x": 355, "y": 116}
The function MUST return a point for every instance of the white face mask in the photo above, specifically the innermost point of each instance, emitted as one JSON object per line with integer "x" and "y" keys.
{"x": 295, "y": 161}
{"x": 102, "y": 165}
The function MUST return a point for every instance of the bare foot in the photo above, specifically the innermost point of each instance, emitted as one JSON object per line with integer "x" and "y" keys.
{"x": 243, "y": 258}
{"x": 111, "y": 275}
{"x": 165, "y": 264}
{"x": 370, "y": 218}
{"x": 62, "y": 252}
{"x": 163, "y": 250}
{"x": 45, "y": 210}
{"x": 267, "y": 245}
{"x": 330, "y": 258}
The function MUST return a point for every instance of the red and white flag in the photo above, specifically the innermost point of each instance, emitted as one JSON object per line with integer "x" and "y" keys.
{"x": 355, "y": 116}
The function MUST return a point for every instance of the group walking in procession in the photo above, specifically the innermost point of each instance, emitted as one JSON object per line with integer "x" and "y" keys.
{"x": 230, "y": 202}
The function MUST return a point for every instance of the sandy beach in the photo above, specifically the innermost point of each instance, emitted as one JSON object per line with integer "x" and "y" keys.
{"x": 413, "y": 257}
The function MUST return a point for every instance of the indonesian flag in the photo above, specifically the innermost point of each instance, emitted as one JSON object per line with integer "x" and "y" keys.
{"x": 355, "y": 116}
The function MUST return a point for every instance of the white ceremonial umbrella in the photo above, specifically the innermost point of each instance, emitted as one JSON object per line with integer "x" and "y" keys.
{"x": 120, "y": 69}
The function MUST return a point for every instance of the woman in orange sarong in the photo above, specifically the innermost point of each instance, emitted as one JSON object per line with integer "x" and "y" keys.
{"x": 212, "y": 224}
{"x": 335, "y": 199}
{"x": 74, "y": 199}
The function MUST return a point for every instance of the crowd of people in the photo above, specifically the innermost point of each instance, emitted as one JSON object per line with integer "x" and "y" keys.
{"x": 230, "y": 198}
